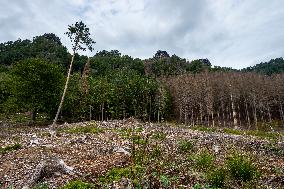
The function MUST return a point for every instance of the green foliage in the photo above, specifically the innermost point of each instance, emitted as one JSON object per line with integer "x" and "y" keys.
{"x": 274, "y": 66}
{"x": 165, "y": 181}
{"x": 36, "y": 85}
{"x": 79, "y": 34}
{"x": 201, "y": 186}
{"x": 86, "y": 129}
{"x": 157, "y": 152}
{"x": 164, "y": 65}
{"x": 41, "y": 186}
{"x": 47, "y": 46}
{"x": 159, "y": 135}
{"x": 5, "y": 90}
{"x": 125, "y": 93}
{"x": 233, "y": 131}
{"x": 264, "y": 134}
{"x": 185, "y": 146}
{"x": 137, "y": 139}
{"x": 105, "y": 62}
{"x": 76, "y": 103}
{"x": 116, "y": 174}
{"x": 217, "y": 177}
{"x": 203, "y": 128}
{"x": 241, "y": 168}
{"x": 10, "y": 148}
{"x": 258, "y": 133}
{"x": 204, "y": 160}
{"x": 77, "y": 184}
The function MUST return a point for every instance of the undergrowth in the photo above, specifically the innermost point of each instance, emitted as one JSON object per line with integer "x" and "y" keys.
{"x": 10, "y": 148}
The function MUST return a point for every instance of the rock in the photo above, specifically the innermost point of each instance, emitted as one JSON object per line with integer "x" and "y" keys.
{"x": 34, "y": 141}
{"x": 216, "y": 148}
{"x": 120, "y": 150}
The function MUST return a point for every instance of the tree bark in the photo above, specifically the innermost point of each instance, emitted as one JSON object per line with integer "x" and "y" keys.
{"x": 34, "y": 112}
{"x": 235, "y": 121}
{"x": 52, "y": 127}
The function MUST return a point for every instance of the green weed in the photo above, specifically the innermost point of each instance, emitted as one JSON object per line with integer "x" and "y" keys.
{"x": 241, "y": 168}
{"x": 77, "y": 184}
{"x": 217, "y": 177}
{"x": 204, "y": 160}
{"x": 10, "y": 148}
{"x": 185, "y": 146}
{"x": 87, "y": 129}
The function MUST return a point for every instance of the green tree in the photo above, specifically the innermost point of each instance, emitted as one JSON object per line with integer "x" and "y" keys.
{"x": 47, "y": 46}
{"x": 80, "y": 36}
{"x": 36, "y": 85}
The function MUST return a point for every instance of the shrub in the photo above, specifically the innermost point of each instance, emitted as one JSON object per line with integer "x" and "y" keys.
{"x": 185, "y": 146}
{"x": 116, "y": 174}
{"x": 157, "y": 152}
{"x": 77, "y": 184}
{"x": 159, "y": 136}
{"x": 217, "y": 177}
{"x": 241, "y": 168}
{"x": 204, "y": 160}
{"x": 165, "y": 181}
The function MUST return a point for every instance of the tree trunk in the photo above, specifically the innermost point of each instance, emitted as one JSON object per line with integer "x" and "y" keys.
{"x": 248, "y": 117}
{"x": 223, "y": 114}
{"x": 34, "y": 112}
{"x": 218, "y": 117}
{"x": 235, "y": 121}
{"x": 255, "y": 115}
{"x": 90, "y": 113}
{"x": 102, "y": 109}
{"x": 281, "y": 113}
{"x": 212, "y": 117}
{"x": 192, "y": 117}
{"x": 52, "y": 127}
{"x": 269, "y": 117}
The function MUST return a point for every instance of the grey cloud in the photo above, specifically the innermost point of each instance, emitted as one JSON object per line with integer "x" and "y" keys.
{"x": 234, "y": 33}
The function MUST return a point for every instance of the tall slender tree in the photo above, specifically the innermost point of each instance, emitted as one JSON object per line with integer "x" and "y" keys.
{"x": 80, "y": 37}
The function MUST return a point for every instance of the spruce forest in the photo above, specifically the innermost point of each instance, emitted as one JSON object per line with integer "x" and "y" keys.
{"x": 114, "y": 121}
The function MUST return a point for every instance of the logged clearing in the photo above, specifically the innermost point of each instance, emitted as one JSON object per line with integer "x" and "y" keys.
{"x": 157, "y": 155}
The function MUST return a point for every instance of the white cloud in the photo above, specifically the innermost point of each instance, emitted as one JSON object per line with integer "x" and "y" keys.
{"x": 234, "y": 33}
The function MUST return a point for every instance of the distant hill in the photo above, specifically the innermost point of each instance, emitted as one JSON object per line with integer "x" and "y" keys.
{"x": 274, "y": 66}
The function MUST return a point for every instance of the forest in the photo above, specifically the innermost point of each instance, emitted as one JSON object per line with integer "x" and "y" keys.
{"x": 110, "y": 86}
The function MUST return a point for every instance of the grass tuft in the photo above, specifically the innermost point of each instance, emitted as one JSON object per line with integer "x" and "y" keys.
{"x": 77, "y": 184}
{"x": 185, "y": 146}
{"x": 10, "y": 148}
{"x": 204, "y": 160}
{"x": 83, "y": 130}
{"x": 241, "y": 168}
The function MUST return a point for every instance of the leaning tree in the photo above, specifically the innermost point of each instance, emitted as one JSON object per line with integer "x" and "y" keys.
{"x": 80, "y": 37}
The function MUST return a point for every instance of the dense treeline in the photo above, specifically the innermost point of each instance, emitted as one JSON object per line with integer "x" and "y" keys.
{"x": 274, "y": 66}
{"x": 110, "y": 85}
{"x": 227, "y": 99}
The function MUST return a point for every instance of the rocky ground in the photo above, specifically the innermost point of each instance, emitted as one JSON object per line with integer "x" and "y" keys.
{"x": 92, "y": 152}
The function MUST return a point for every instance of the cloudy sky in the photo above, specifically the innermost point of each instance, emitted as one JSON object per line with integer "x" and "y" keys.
{"x": 232, "y": 33}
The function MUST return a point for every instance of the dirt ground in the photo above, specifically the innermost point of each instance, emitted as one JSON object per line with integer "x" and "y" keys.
{"x": 93, "y": 154}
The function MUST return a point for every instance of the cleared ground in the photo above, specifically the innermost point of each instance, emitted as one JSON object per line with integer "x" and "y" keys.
{"x": 167, "y": 155}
